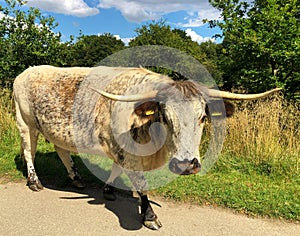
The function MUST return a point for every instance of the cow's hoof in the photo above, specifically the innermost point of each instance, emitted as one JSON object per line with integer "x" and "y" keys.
{"x": 77, "y": 183}
{"x": 153, "y": 224}
{"x": 109, "y": 193}
{"x": 35, "y": 185}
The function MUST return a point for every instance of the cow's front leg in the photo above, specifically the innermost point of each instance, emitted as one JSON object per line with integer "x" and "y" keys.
{"x": 65, "y": 157}
{"x": 150, "y": 219}
{"x": 109, "y": 190}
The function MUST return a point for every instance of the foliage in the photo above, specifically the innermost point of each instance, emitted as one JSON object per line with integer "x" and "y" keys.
{"x": 26, "y": 39}
{"x": 261, "y": 47}
{"x": 158, "y": 33}
{"x": 211, "y": 51}
{"x": 89, "y": 50}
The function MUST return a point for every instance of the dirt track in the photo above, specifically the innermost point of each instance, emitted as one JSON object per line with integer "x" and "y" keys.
{"x": 67, "y": 212}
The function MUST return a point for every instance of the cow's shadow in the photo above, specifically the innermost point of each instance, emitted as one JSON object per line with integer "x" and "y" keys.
{"x": 126, "y": 207}
{"x": 54, "y": 176}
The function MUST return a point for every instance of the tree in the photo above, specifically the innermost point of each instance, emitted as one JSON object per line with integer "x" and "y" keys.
{"x": 261, "y": 47}
{"x": 89, "y": 50}
{"x": 158, "y": 33}
{"x": 212, "y": 52}
{"x": 26, "y": 39}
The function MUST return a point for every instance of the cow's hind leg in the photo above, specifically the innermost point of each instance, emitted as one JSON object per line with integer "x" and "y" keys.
{"x": 150, "y": 219}
{"x": 28, "y": 147}
{"x": 66, "y": 159}
{"x": 29, "y": 137}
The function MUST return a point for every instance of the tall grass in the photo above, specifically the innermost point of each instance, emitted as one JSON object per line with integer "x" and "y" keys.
{"x": 8, "y": 130}
{"x": 265, "y": 131}
{"x": 9, "y": 138}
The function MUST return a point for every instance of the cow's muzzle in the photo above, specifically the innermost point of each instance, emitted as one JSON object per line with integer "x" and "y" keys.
{"x": 185, "y": 167}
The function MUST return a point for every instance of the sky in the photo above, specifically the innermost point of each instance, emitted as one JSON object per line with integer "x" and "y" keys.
{"x": 122, "y": 17}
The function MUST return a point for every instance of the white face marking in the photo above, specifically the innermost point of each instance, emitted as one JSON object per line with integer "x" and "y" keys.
{"x": 188, "y": 130}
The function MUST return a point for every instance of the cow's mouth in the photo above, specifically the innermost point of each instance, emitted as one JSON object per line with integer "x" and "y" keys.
{"x": 185, "y": 167}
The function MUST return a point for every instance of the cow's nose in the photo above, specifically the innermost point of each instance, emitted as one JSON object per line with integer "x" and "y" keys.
{"x": 185, "y": 167}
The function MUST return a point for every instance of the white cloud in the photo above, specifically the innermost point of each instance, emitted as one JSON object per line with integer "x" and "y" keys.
{"x": 117, "y": 36}
{"x": 68, "y": 7}
{"x": 196, "y": 37}
{"x": 134, "y": 10}
{"x": 196, "y": 20}
{"x": 124, "y": 40}
{"x": 138, "y": 11}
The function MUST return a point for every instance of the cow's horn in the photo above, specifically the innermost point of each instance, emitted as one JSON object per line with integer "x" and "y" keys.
{"x": 235, "y": 96}
{"x": 127, "y": 98}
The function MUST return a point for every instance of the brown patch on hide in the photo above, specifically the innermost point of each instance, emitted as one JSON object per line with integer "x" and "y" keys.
{"x": 188, "y": 88}
{"x": 52, "y": 93}
{"x": 155, "y": 161}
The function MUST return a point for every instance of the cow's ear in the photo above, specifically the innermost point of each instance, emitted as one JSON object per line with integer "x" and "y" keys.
{"x": 146, "y": 109}
{"x": 144, "y": 112}
{"x": 215, "y": 109}
{"x": 229, "y": 108}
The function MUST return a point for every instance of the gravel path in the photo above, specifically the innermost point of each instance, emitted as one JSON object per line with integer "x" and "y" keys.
{"x": 67, "y": 212}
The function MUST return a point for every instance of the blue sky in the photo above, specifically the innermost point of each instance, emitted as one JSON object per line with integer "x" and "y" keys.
{"x": 122, "y": 17}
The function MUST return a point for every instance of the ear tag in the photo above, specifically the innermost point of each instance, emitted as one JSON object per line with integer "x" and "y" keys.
{"x": 216, "y": 114}
{"x": 149, "y": 112}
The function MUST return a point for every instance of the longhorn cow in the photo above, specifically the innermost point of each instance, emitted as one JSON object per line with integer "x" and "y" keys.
{"x": 45, "y": 97}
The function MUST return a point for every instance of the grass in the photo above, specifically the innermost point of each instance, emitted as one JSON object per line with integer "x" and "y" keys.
{"x": 8, "y": 139}
{"x": 257, "y": 173}
{"x": 266, "y": 130}
{"x": 241, "y": 187}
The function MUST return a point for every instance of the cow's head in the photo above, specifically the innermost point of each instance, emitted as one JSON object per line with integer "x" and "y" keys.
{"x": 187, "y": 123}
{"x": 184, "y": 131}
